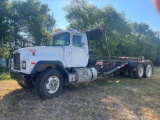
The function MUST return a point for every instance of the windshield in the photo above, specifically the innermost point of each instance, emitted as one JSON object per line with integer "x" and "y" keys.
{"x": 62, "y": 39}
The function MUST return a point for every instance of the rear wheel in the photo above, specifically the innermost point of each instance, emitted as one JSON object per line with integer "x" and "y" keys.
{"x": 49, "y": 84}
{"x": 139, "y": 73}
{"x": 148, "y": 71}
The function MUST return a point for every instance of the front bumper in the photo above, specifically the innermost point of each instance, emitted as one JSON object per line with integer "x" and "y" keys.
{"x": 17, "y": 76}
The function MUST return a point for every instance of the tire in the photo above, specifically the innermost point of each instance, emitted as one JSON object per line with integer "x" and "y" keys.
{"x": 139, "y": 73}
{"x": 49, "y": 84}
{"x": 148, "y": 71}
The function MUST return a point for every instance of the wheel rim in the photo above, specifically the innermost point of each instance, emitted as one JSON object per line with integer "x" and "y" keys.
{"x": 149, "y": 70}
{"x": 140, "y": 71}
{"x": 52, "y": 84}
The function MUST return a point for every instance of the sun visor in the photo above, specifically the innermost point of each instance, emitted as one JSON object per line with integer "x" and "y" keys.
{"x": 95, "y": 34}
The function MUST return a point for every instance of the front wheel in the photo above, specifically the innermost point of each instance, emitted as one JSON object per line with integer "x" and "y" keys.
{"x": 49, "y": 84}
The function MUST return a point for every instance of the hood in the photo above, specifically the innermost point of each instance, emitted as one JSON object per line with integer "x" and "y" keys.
{"x": 41, "y": 53}
{"x": 39, "y": 50}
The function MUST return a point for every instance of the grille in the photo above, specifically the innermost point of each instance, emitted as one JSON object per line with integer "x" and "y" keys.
{"x": 16, "y": 59}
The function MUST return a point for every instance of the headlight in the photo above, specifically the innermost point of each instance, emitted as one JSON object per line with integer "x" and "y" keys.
{"x": 23, "y": 64}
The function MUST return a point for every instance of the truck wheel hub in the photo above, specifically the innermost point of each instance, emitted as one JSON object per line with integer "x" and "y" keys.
{"x": 52, "y": 84}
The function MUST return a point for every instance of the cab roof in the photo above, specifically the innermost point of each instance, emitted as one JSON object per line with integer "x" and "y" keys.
{"x": 94, "y": 34}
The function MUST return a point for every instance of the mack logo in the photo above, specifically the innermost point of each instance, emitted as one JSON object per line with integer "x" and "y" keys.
{"x": 32, "y": 50}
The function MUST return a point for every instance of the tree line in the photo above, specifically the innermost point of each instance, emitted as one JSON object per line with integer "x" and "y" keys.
{"x": 29, "y": 23}
{"x": 125, "y": 38}
{"x": 24, "y": 23}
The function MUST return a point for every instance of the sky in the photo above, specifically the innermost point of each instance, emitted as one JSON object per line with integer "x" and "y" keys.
{"x": 135, "y": 10}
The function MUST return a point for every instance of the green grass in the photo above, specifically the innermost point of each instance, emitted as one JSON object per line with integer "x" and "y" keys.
{"x": 5, "y": 76}
{"x": 116, "y": 98}
{"x": 4, "y": 73}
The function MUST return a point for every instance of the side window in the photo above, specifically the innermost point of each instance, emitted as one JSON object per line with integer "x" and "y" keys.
{"x": 77, "y": 41}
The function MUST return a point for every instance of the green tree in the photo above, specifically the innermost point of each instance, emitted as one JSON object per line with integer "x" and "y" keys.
{"x": 24, "y": 23}
{"x": 34, "y": 19}
{"x": 147, "y": 41}
{"x": 83, "y": 16}
{"x": 125, "y": 38}
{"x": 5, "y": 24}
{"x": 4, "y": 17}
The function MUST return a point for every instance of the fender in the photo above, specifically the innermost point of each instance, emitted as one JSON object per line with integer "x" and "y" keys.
{"x": 42, "y": 65}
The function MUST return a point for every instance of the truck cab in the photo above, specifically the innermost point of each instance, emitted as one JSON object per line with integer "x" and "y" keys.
{"x": 74, "y": 46}
{"x": 66, "y": 58}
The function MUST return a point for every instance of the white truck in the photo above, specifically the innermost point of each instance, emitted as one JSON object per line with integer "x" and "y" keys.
{"x": 68, "y": 60}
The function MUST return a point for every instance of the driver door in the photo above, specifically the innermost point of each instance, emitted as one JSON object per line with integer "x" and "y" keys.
{"x": 79, "y": 53}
